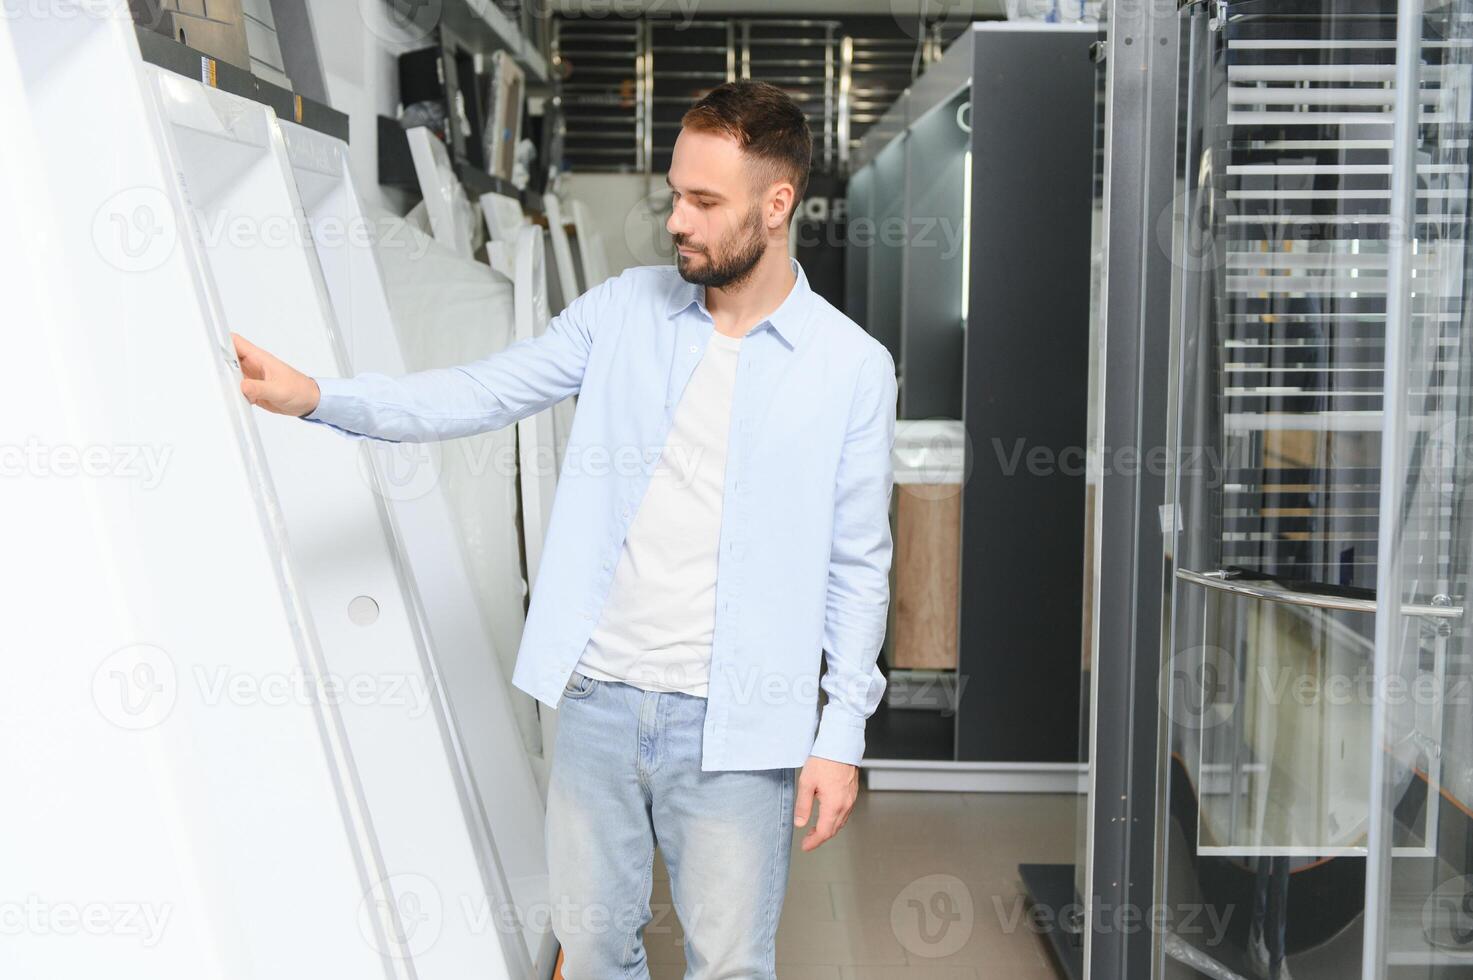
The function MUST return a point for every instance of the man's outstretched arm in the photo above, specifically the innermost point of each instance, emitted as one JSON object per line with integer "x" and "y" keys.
{"x": 443, "y": 403}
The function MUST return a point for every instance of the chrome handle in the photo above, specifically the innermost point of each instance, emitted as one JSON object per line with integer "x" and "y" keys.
{"x": 1257, "y": 589}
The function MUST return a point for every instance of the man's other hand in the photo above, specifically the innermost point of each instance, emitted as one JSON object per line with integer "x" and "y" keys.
{"x": 835, "y": 785}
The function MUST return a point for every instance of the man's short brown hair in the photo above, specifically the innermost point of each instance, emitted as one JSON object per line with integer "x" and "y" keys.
{"x": 765, "y": 123}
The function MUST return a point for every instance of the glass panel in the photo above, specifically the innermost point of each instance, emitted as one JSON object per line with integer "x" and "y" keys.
{"x": 1094, "y": 470}
{"x": 1428, "y": 746}
{"x": 886, "y": 251}
{"x": 1270, "y": 680}
{"x": 938, "y": 186}
{"x": 1284, "y": 728}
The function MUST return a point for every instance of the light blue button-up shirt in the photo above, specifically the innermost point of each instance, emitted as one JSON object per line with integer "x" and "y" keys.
{"x": 805, "y": 545}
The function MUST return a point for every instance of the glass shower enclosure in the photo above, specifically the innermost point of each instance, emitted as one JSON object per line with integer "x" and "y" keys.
{"x": 1315, "y": 773}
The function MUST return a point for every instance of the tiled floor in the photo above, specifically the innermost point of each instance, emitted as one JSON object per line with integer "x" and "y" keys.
{"x": 865, "y": 906}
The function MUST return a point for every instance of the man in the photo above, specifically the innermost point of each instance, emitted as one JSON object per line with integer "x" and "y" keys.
{"x": 720, "y": 530}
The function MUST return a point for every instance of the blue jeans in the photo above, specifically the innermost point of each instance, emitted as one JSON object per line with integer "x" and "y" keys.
{"x": 626, "y": 775}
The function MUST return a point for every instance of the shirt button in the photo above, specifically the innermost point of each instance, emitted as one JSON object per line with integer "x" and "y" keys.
{"x": 694, "y": 349}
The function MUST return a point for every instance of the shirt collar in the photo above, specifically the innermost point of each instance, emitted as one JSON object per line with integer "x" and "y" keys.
{"x": 791, "y": 320}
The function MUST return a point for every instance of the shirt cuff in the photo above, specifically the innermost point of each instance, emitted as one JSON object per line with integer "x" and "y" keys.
{"x": 337, "y": 407}
{"x": 330, "y": 390}
{"x": 840, "y": 735}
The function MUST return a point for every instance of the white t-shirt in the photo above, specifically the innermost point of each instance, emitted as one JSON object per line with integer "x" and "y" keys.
{"x": 657, "y": 622}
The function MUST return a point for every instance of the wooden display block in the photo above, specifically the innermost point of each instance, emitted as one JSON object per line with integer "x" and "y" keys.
{"x": 927, "y": 575}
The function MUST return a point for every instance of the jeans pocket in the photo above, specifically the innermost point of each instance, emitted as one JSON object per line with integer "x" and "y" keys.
{"x": 579, "y": 686}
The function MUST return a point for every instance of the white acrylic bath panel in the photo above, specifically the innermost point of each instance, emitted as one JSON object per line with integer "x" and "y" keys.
{"x": 571, "y": 286}
{"x": 507, "y": 791}
{"x": 562, "y": 248}
{"x": 536, "y": 435}
{"x": 234, "y": 167}
{"x": 163, "y": 817}
{"x": 452, "y": 217}
{"x": 449, "y": 310}
{"x": 590, "y": 246}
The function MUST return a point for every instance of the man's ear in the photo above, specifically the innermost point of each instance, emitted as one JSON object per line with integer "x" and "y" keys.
{"x": 780, "y": 204}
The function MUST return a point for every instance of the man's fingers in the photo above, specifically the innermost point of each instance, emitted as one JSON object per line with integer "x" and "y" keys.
{"x": 243, "y": 347}
{"x": 252, "y": 359}
{"x": 828, "y": 826}
{"x": 253, "y": 390}
{"x": 803, "y": 805}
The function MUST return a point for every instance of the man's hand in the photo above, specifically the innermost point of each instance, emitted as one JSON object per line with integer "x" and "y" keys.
{"x": 835, "y": 785}
{"x": 273, "y": 384}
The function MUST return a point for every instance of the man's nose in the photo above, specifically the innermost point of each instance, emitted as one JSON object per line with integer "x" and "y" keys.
{"x": 677, "y": 224}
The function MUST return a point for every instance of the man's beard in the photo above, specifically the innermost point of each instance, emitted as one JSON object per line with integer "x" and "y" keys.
{"x": 735, "y": 264}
